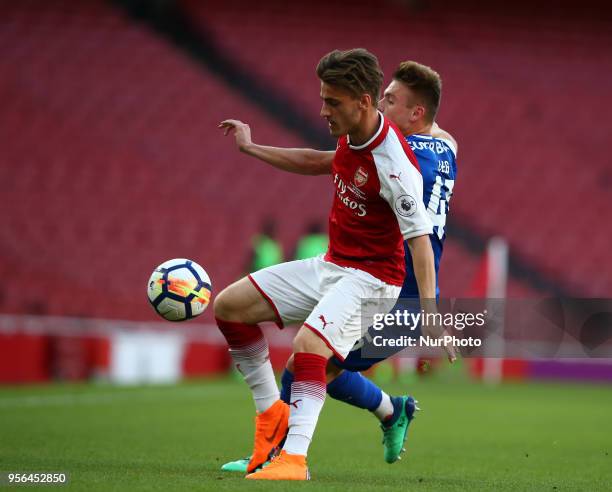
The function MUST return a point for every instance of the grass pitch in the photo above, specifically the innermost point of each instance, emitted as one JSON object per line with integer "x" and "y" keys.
{"x": 468, "y": 436}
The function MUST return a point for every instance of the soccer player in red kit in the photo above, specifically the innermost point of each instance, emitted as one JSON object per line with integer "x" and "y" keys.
{"x": 377, "y": 204}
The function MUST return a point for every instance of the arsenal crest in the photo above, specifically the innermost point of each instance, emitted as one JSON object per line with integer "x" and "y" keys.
{"x": 361, "y": 177}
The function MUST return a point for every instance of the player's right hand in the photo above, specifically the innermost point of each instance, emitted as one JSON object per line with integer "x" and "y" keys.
{"x": 242, "y": 132}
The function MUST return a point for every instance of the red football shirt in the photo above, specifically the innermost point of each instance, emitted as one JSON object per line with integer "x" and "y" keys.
{"x": 378, "y": 203}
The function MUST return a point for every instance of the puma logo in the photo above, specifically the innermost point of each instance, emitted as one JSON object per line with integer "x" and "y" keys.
{"x": 294, "y": 403}
{"x": 396, "y": 176}
{"x": 325, "y": 323}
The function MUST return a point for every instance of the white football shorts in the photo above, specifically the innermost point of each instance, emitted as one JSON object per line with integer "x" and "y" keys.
{"x": 325, "y": 297}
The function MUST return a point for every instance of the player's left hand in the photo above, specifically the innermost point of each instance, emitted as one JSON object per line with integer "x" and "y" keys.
{"x": 242, "y": 132}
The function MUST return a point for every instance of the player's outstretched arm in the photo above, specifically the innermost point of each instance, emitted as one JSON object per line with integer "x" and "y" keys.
{"x": 425, "y": 273}
{"x": 438, "y": 132}
{"x": 299, "y": 161}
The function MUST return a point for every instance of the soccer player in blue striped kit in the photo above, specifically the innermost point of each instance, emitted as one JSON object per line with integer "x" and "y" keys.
{"x": 411, "y": 101}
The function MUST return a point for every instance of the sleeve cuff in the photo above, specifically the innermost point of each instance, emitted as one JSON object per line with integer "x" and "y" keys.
{"x": 418, "y": 232}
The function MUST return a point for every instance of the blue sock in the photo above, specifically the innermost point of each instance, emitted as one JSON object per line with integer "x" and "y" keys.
{"x": 286, "y": 380}
{"x": 349, "y": 387}
{"x": 355, "y": 389}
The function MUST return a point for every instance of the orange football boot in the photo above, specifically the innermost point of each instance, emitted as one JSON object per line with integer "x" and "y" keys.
{"x": 283, "y": 467}
{"x": 270, "y": 429}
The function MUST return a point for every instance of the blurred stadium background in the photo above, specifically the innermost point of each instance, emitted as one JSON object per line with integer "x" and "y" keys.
{"x": 111, "y": 161}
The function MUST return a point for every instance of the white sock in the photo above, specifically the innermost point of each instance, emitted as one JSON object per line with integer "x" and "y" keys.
{"x": 385, "y": 409}
{"x": 307, "y": 398}
{"x": 253, "y": 362}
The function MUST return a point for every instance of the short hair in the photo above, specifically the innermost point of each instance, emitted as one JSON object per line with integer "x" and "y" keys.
{"x": 424, "y": 82}
{"x": 355, "y": 70}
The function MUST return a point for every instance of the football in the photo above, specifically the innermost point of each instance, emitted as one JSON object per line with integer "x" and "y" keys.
{"x": 179, "y": 289}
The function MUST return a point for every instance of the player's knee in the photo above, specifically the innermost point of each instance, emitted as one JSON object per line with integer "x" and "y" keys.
{"x": 224, "y": 305}
{"x": 299, "y": 343}
{"x": 289, "y": 365}
{"x": 307, "y": 341}
{"x": 241, "y": 303}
